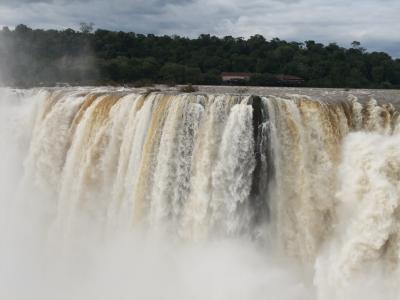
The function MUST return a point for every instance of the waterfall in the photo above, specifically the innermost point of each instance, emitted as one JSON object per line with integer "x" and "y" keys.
{"x": 314, "y": 181}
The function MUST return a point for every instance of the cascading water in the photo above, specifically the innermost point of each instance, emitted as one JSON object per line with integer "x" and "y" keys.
{"x": 309, "y": 183}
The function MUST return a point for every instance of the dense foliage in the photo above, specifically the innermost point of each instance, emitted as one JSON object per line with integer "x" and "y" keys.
{"x": 46, "y": 57}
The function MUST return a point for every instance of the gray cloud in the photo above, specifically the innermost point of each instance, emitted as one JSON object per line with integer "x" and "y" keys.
{"x": 22, "y": 2}
{"x": 373, "y": 22}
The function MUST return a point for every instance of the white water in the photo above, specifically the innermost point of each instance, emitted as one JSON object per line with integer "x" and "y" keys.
{"x": 122, "y": 195}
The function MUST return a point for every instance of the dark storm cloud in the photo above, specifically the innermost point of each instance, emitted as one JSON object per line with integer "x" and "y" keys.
{"x": 372, "y": 22}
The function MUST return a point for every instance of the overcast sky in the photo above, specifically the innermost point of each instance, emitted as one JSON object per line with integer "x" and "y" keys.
{"x": 373, "y": 22}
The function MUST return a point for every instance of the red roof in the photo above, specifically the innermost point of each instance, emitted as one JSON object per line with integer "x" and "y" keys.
{"x": 288, "y": 77}
{"x": 241, "y": 74}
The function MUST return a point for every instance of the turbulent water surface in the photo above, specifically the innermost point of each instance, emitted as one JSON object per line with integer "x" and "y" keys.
{"x": 127, "y": 194}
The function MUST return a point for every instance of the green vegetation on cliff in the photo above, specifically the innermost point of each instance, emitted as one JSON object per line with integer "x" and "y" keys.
{"x": 45, "y": 57}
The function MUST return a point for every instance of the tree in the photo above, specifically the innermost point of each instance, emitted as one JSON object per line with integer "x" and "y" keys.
{"x": 173, "y": 72}
{"x": 357, "y": 45}
{"x": 86, "y": 27}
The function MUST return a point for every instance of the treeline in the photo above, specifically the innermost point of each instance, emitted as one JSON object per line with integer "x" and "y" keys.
{"x": 31, "y": 57}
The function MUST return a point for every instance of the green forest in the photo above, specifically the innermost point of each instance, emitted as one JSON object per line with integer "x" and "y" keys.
{"x": 36, "y": 57}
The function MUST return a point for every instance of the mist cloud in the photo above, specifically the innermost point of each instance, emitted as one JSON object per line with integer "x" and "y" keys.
{"x": 372, "y": 22}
